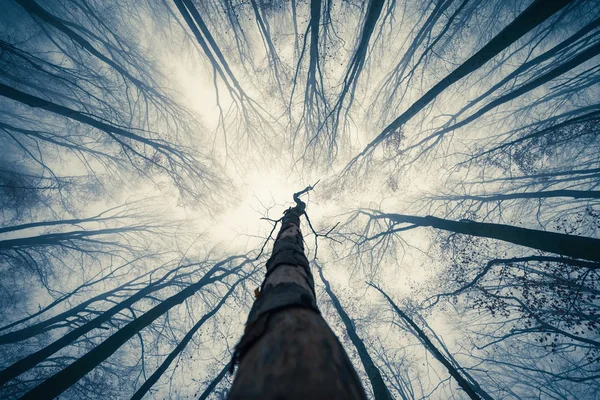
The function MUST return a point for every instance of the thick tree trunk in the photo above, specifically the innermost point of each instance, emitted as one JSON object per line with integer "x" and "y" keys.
{"x": 288, "y": 351}
{"x": 583, "y": 247}
{"x": 380, "y": 390}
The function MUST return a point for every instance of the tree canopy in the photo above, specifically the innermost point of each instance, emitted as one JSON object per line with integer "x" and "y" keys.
{"x": 149, "y": 149}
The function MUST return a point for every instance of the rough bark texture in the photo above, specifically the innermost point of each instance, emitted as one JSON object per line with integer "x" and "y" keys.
{"x": 288, "y": 351}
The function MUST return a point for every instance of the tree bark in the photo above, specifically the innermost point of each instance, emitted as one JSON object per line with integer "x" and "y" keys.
{"x": 288, "y": 350}
{"x": 380, "y": 390}
{"x": 583, "y": 247}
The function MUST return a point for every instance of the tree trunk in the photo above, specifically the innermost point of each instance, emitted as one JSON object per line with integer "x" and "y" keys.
{"x": 33, "y": 359}
{"x": 534, "y": 15}
{"x": 34, "y": 8}
{"x": 62, "y": 319}
{"x": 139, "y": 394}
{"x": 288, "y": 351}
{"x": 213, "y": 384}
{"x": 473, "y": 391}
{"x": 315, "y": 16}
{"x": 575, "y": 194}
{"x": 53, "y": 239}
{"x": 560, "y": 69}
{"x": 192, "y": 17}
{"x": 583, "y": 247}
{"x": 380, "y": 390}
{"x": 533, "y": 62}
{"x": 115, "y": 132}
{"x": 61, "y": 381}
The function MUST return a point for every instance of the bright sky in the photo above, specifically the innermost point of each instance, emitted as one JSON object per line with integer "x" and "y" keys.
{"x": 263, "y": 166}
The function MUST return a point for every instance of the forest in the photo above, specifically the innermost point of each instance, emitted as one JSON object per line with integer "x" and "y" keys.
{"x": 447, "y": 153}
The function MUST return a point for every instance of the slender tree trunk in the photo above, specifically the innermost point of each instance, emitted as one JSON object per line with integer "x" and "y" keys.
{"x": 295, "y": 23}
{"x": 213, "y": 384}
{"x": 473, "y": 391}
{"x": 33, "y": 359}
{"x": 315, "y": 17}
{"x": 533, "y": 62}
{"x": 181, "y": 346}
{"x": 534, "y": 15}
{"x": 357, "y": 61}
{"x": 61, "y": 381}
{"x": 575, "y": 194}
{"x": 39, "y": 224}
{"x": 380, "y": 390}
{"x": 63, "y": 318}
{"x": 560, "y": 69}
{"x": 210, "y": 43}
{"x": 591, "y": 117}
{"x": 583, "y": 247}
{"x": 53, "y": 239}
{"x": 34, "y": 8}
{"x": 113, "y": 131}
{"x": 288, "y": 351}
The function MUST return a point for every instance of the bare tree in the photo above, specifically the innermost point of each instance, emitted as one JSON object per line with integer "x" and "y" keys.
{"x": 59, "y": 382}
{"x": 135, "y": 134}
{"x": 285, "y": 319}
{"x": 471, "y": 388}
{"x": 380, "y": 391}
{"x": 558, "y": 243}
{"x": 534, "y": 15}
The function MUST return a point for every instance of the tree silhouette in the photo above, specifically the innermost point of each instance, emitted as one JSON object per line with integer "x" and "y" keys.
{"x": 150, "y": 148}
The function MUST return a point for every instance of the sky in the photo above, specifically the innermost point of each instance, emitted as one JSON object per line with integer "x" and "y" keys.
{"x": 256, "y": 144}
